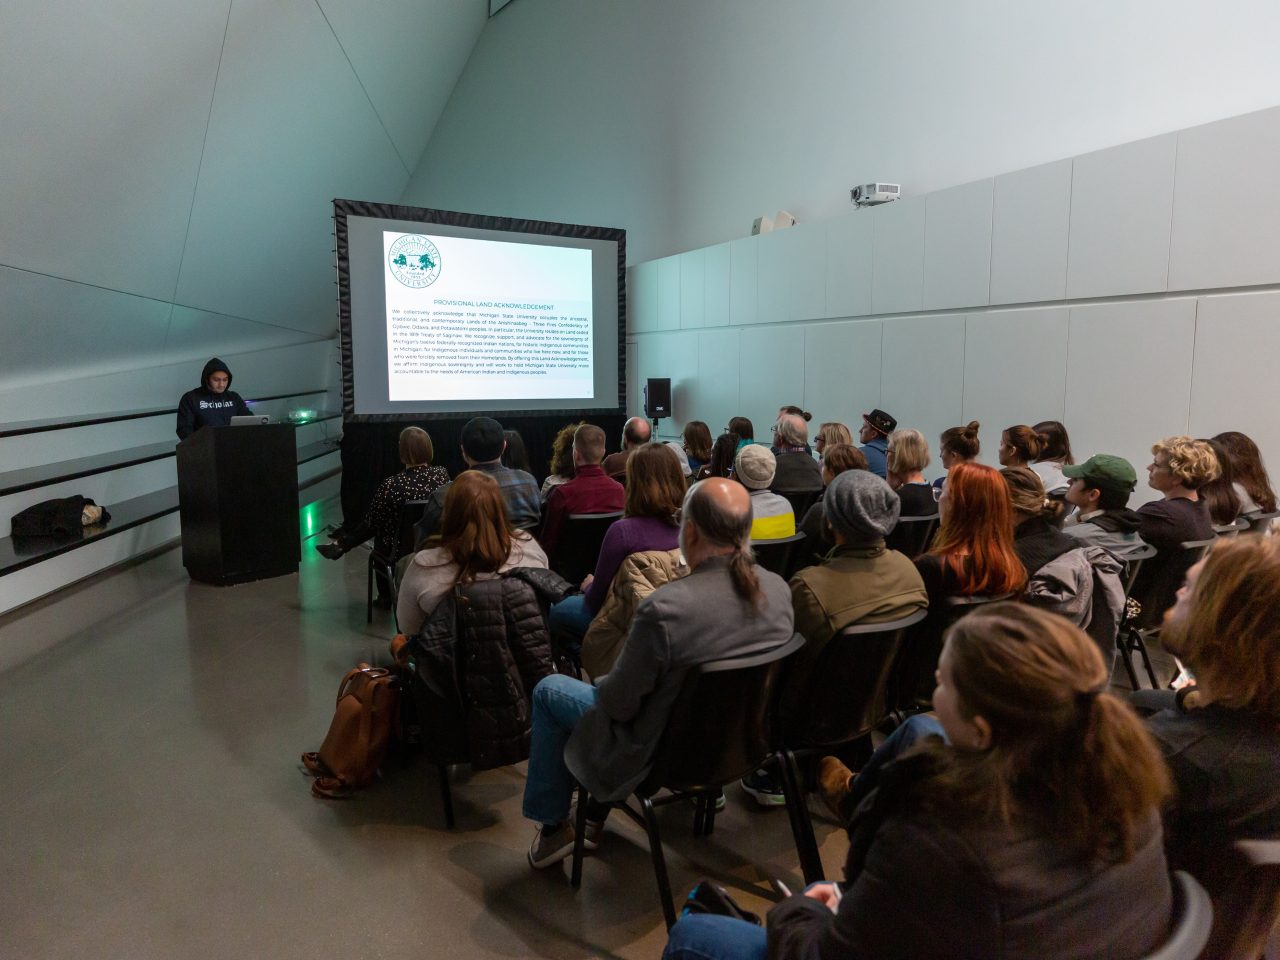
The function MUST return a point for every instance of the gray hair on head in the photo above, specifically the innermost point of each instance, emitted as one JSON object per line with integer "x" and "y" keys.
{"x": 792, "y": 431}
{"x": 730, "y": 528}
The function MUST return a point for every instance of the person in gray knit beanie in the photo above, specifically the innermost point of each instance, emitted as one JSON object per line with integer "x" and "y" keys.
{"x": 861, "y": 507}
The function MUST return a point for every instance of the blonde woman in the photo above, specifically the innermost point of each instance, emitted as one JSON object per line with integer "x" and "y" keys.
{"x": 828, "y": 435}
{"x": 905, "y": 460}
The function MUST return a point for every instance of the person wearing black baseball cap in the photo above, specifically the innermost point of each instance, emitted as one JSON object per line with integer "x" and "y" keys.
{"x": 1100, "y": 489}
{"x": 876, "y": 427}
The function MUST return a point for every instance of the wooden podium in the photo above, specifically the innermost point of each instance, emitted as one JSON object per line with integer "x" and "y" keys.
{"x": 238, "y": 500}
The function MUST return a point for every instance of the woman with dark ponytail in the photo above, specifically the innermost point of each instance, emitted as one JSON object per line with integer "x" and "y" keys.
{"x": 958, "y": 445}
{"x": 1055, "y": 453}
{"x": 1027, "y": 827}
{"x": 1020, "y": 446}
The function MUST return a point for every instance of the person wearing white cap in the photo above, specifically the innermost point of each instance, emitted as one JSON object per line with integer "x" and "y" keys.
{"x": 772, "y": 516}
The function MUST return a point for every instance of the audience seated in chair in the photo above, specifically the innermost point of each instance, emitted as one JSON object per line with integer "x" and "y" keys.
{"x": 797, "y": 471}
{"x": 1055, "y": 454}
{"x": 677, "y": 450}
{"x": 482, "y": 446}
{"x": 743, "y": 429}
{"x": 905, "y": 460}
{"x": 876, "y": 427}
{"x": 477, "y": 542}
{"x": 590, "y": 491}
{"x": 604, "y": 735}
{"x": 635, "y": 434}
{"x": 723, "y": 452}
{"x": 791, "y": 410}
{"x": 1032, "y": 829}
{"x": 838, "y": 458}
{"x": 1221, "y": 736}
{"x": 1253, "y": 487}
{"x": 1099, "y": 490}
{"x": 653, "y": 495}
{"x": 958, "y": 445}
{"x": 828, "y": 435}
{"x": 860, "y": 581}
{"x": 1221, "y": 495}
{"x": 772, "y": 516}
{"x": 418, "y": 481}
{"x": 560, "y": 469}
{"x": 697, "y": 445}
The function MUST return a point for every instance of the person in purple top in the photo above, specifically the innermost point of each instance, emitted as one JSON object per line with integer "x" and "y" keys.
{"x": 655, "y": 490}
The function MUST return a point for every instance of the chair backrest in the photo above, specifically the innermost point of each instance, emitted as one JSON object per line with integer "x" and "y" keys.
{"x": 410, "y": 514}
{"x": 1247, "y": 907}
{"x": 922, "y": 646}
{"x": 1134, "y": 560}
{"x": 578, "y": 547}
{"x": 1260, "y": 521}
{"x": 800, "y": 500}
{"x": 847, "y": 694}
{"x": 775, "y": 555}
{"x": 912, "y": 535}
{"x": 721, "y": 725}
{"x": 1192, "y": 920}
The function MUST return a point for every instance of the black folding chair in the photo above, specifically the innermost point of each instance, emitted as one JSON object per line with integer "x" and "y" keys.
{"x": 800, "y": 500}
{"x": 912, "y": 685}
{"x": 578, "y": 547}
{"x": 1260, "y": 522}
{"x": 1154, "y": 588}
{"x": 846, "y": 697}
{"x": 385, "y": 566}
{"x": 721, "y": 728}
{"x": 912, "y": 535}
{"x": 778, "y": 555}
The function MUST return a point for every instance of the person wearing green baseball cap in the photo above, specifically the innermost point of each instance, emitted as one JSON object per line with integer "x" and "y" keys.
{"x": 1100, "y": 489}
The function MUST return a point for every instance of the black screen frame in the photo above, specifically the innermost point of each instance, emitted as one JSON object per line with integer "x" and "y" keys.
{"x": 391, "y": 211}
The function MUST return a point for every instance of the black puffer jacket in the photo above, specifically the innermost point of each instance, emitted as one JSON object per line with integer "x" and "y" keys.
{"x": 476, "y": 662}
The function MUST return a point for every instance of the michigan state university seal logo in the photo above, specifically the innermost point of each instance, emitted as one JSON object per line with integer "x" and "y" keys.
{"x": 414, "y": 261}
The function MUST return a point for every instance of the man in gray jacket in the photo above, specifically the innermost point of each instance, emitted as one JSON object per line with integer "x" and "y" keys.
{"x": 605, "y": 735}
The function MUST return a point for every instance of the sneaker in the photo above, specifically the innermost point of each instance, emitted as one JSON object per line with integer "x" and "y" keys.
{"x": 591, "y": 835}
{"x": 834, "y": 783}
{"x": 550, "y": 845}
{"x": 720, "y": 801}
{"x": 766, "y": 790}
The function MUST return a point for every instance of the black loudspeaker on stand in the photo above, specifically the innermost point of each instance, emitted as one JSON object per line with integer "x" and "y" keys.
{"x": 657, "y": 398}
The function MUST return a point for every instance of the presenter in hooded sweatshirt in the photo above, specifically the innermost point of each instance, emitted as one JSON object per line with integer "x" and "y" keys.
{"x": 212, "y": 404}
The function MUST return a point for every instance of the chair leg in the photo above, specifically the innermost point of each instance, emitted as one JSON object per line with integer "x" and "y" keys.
{"x": 1141, "y": 644}
{"x": 446, "y": 794}
{"x": 1126, "y": 654}
{"x": 801, "y": 821}
{"x": 659, "y": 861}
{"x": 579, "y": 837}
{"x": 699, "y": 814}
{"x": 709, "y": 816}
{"x": 368, "y": 606}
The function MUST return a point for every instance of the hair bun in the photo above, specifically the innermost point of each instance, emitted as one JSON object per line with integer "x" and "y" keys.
{"x": 807, "y": 416}
{"x": 972, "y": 427}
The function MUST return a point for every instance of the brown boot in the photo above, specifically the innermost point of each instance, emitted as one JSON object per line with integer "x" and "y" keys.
{"x": 834, "y": 783}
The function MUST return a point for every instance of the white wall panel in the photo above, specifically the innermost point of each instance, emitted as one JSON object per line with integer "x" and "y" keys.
{"x": 1226, "y": 205}
{"x": 635, "y": 405}
{"x": 898, "y": 279}
{"x": 104, "y": 111}
{"x": 1029, "y": 230}
{"x": 744, "y": 294}
{"x": 957, "y": 246}
{"x": 713, "y": 395}
{"x": 716, "y": 286}
{"x": 642, "y": 297}
{"x": 668, "y": 293}
{"x": 199, "y": 334}
{"x": 673, "y": 355}
{"x": 1121, "y": 206}
{"x": 772, "y": 373}
{"x": 806, "y": 264}
{"x": 290, "y": 130}
{"x": 841, "y": 372}
{"x": 1015, "y": 371}
{"x": 922, "y": 373}
{"x": 775, "y": 282}
{"x": 692, "y": 288}
{"x": 1237, "y": 346}
{"x": 1129, "y": 379}
{"x": 849, "y": 264}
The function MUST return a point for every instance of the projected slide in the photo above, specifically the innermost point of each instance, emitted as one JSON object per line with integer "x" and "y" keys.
{"x": 470, "y": 319}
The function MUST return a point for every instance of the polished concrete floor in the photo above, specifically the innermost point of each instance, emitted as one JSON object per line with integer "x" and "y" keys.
{"x": 153, "y": 805}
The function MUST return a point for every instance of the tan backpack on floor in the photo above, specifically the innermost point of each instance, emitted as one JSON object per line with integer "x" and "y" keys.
{"x": 364, "y": 722}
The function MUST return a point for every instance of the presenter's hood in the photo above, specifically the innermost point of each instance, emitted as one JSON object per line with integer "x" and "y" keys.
{"x": 214, "y": 366}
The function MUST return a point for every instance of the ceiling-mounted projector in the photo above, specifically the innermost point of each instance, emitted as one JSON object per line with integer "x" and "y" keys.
{"x": 870, "y": 193}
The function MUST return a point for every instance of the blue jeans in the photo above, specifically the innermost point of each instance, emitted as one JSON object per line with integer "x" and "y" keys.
{"x": 558, "y": 703}
{"x": 571, "y": 616}
{"x": 701, "y": 936}
{"x": 915, "y": 729}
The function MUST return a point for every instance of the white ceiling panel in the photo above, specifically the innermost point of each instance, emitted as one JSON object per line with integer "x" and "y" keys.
{"x": 56, "y": 329}
{"x": 290, "y": 130}
{"x": 388, "y": 44}
{"x": 103, "y": 108}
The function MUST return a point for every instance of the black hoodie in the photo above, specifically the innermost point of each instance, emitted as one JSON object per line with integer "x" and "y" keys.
{"x": 202, "y": 407}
